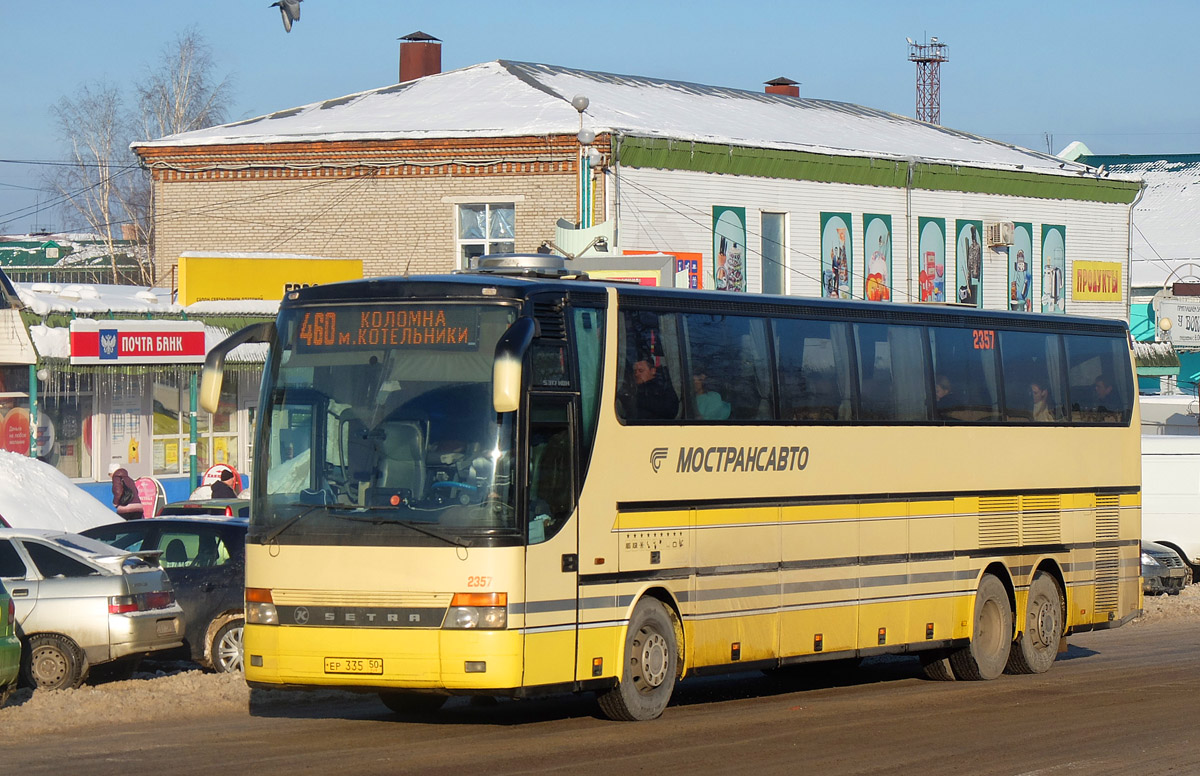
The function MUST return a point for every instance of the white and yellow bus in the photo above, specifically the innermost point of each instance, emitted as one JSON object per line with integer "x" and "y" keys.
{"x": 515, "y": 481}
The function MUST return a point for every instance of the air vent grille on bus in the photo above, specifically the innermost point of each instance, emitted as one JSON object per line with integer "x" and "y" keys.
{"x": 998, "y": 525}
{"x": 1040, "y": 519}
{"x": 1108, "y": 575}
{"x": 549, "y": 316}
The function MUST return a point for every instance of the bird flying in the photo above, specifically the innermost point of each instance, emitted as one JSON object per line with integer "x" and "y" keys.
{"x": 290, "y": 10}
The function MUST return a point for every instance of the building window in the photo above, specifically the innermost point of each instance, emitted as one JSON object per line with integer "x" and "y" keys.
{"x": 14, "y": 409}
{"x": 65, "y": 421}
{"x": 485, "y": 228}
{"x": 773, "y": 236}
{"x": 216, "y": 435}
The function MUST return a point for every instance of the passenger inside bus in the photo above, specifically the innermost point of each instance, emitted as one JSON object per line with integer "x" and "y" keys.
{"x": 651, "y": 397}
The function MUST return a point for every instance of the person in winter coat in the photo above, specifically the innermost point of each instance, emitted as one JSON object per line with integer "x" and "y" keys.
{"x": 125, "y": 495}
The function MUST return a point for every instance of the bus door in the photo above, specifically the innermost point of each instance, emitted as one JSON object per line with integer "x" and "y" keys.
{"x": 551, "y": 558}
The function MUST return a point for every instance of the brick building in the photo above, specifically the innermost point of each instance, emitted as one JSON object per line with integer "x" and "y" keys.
{"x": 420, "y": 175}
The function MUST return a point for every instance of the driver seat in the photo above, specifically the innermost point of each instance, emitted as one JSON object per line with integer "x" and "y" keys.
{"x": 403, "y": 463}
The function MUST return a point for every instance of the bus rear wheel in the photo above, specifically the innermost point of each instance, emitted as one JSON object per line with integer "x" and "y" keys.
{"x": 650, "y": 664}
{"x": 1036, "y": 648}
{"x": 991, "y": 635}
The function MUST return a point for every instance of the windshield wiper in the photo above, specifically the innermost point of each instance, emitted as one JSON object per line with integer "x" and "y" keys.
{"x": 395, "y": 521}
{"x": 273, "y": 535}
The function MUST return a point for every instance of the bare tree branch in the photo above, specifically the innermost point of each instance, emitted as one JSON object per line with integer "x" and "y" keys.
{"x": 104, "y": 183}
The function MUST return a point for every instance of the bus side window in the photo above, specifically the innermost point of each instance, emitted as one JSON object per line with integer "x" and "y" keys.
{"x": 1033, "y": 377}
{"x": 729, "y": 368}
{"x": 891, "y": 372}
{"x": 813, "y": 363}
{"x": 1099, "y": 377}
{"x": 966, "y": 376}
{"x": 551, "y": 468}
{"x": 649, "y": 373}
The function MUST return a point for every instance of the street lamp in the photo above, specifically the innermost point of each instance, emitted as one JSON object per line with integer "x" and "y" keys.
{"x": 588, "y": 157}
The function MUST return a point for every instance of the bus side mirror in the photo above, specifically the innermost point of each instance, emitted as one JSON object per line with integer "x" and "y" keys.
{"x": 506, "y": 370}
{"x": 214, "y": 364}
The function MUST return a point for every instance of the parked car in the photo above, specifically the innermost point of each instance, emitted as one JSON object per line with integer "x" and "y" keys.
{"x": 220, "y": 507}
{"x": 79, "y": 603}
{"x": 205, "y": 559}
{"x": 1163, "y": 571}
{"x": 10, "y": 646}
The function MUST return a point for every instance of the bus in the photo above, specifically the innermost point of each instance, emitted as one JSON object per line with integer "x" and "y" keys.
{"x": 514, "y": 480}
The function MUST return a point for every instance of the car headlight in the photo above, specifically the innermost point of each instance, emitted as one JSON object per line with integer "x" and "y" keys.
{"x": 483, "y": 611}
{"x": 1149, "y": 560}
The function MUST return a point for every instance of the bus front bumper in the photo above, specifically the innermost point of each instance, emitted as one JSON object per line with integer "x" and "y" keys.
{"x": 449, "y": 660}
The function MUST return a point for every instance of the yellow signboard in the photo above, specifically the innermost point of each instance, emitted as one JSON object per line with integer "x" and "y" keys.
{"x": 1097, "y": 281}
{"x": 207, "y": 277}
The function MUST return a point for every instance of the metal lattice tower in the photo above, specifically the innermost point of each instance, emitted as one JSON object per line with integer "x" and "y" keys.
{"x": 929, "y": 58}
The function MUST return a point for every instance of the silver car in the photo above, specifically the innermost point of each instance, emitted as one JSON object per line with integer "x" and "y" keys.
{"x": 81, "y": 603}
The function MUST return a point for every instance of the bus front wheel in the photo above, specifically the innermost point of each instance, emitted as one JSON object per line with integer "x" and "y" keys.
{"x": 651, "y": 661}
{"x": 1036, "y": 648}
{"x": 991, "y": 635}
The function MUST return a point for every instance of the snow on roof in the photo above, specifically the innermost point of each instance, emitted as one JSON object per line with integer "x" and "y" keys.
{"x": 1166, "y": 221}
{"x": 514, "y": 99}
{"x": 34, "y": 494}
{"x": 84, "y": 298}
{"x": 99, "y": 299}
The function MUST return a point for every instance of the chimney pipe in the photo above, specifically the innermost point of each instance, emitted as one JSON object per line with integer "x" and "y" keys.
{"x": 420, "y": 55}
{"x": 785, "y": 86}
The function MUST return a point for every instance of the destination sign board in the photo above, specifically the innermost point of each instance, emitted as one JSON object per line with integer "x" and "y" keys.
{"x": 441, "y": 327}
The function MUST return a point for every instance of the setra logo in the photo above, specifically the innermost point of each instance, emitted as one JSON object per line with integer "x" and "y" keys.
{"x": 657, "y": 456}
{"x": 300, "y": 615}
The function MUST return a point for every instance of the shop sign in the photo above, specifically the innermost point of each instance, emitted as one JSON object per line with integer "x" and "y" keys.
{"x": 117, "y": 343}
{"x": 222, "y": 277}
{"x": 1097, "y": 281}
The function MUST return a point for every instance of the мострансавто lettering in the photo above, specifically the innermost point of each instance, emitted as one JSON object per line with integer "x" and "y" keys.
{"x": 742, "y": 459}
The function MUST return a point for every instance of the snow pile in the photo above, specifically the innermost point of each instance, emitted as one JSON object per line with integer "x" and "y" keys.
{"x": 1185, "y": 606}
{"x": 34, "y": 494}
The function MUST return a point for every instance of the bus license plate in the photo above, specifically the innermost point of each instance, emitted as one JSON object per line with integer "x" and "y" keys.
{"x": 353, "y": 665}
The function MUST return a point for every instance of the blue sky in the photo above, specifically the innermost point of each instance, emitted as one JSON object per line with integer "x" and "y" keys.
{"x": 1117, "y": 75}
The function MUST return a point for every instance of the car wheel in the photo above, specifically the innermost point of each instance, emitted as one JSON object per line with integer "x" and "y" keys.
{"x": 991, "y": 637}
{"x": 412, "y": 703}
{"x": 651, "y": 659}
{"x": 53, "y": 662}
{"x": 1036, "y": 649}
{"x": 226, "y": 649}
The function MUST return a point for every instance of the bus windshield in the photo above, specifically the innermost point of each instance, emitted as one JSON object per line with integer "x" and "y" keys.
{"x": 379, "y": 427}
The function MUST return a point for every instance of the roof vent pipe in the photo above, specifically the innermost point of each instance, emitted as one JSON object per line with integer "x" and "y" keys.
{"x": 420, "y": 55}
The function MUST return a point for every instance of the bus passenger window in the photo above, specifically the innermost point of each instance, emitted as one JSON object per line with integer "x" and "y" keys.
{"x": 966, "y": 377}
{"x": 649, "y": 368}
{"x": 1032, "y": 365}
{"x": 1100, "y": 384}
{"x": 891, "y": 372}
{"x": 730, "y": 371}
{"x": 813, "y": 363}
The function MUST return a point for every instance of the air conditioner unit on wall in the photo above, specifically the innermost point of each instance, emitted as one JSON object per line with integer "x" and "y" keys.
{"x": 999, "y": 233}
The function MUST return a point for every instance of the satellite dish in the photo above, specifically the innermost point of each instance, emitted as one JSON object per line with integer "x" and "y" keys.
{"x": 911, "y": 42}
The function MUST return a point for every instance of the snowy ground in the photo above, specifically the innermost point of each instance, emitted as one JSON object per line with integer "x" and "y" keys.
{"x": 180, "y": 690}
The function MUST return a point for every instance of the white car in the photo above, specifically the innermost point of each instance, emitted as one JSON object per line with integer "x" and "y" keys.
{"x": 81, "y": 603}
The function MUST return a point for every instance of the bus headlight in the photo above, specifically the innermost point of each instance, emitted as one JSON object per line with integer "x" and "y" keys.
{"x": 260, "y": 607}
{"x": 486, "y": 611}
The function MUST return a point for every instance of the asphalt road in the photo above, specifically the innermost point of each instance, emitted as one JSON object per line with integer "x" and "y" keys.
{"x": 1118, "y": 702}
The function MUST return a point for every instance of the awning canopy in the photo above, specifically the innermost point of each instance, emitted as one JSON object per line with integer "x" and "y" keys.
{"x": 1155, "y": 359}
